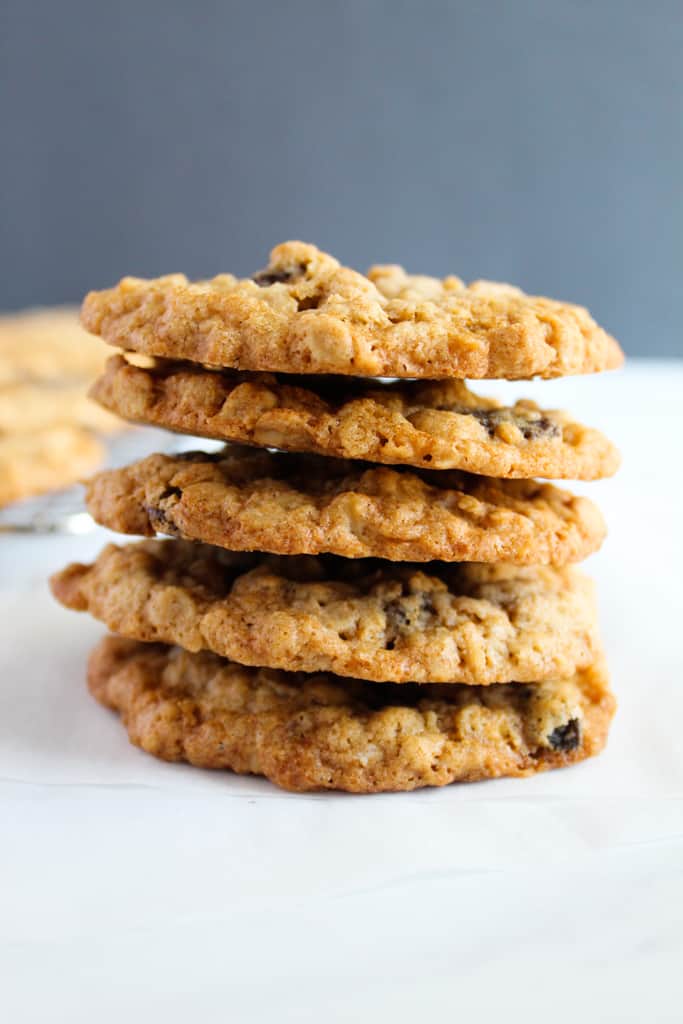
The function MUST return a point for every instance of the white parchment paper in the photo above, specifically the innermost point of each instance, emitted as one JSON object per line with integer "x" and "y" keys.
{"x": 213, "y": 894}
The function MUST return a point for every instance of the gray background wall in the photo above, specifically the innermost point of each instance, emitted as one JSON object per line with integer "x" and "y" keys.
{"x": 531, "y": 141}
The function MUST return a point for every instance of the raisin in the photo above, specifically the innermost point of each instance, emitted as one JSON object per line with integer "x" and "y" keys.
{"x": 410, "y": 611}
{"x": 170, "y": 492}
{"x": 487, "y": 420}
{"x": 533, "y": 429}
{"x": 159, "y": 521}
{"x": 157, "y": 515}
{"x": 309, "y": 302}
{"x": 397, "y": 617}
{"x": 566, "y": 737}
{"x": 530, "y": 429}
{"x": 266, "y": 277}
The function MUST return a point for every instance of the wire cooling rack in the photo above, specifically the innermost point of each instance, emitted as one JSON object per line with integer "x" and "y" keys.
{"x": 64, "y": 512}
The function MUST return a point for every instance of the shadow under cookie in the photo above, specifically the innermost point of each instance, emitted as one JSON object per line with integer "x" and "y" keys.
{"x": 321, "y": 732}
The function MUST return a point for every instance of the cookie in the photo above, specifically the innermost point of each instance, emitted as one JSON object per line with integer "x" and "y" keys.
{"x": 319, "y": 732}
{"x": 48, "y": 345}
{"x": 463, "y": 623}
{"x": 428, "y": 425}
{"x": 45, "y": 460}
{"x": 246, "y": 500}
{"x": 307, "y": 314}
{"x": 32, "y": 406}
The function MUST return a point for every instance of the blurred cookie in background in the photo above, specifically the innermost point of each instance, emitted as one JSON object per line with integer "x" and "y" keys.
{"x": 48, "y": 344}
{"x": 46, "y": 460}
{"x": 47, "y": 422}
{"x": 39, "y": 405}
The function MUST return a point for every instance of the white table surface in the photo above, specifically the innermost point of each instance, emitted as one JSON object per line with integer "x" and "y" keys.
{"x": 130, "y": 888}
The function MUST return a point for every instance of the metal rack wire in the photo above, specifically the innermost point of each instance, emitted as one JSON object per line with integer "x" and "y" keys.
{"x": 63, "y": 511}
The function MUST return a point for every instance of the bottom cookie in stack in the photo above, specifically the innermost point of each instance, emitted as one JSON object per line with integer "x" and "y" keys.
{"x": 313, "y": 732}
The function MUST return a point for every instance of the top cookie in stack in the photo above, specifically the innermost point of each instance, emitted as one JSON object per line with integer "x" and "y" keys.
{"x": 307, "y": 314}
{"x": 281, "y": 361}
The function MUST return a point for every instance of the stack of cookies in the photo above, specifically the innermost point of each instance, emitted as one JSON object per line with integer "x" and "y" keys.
{"x": 366, "y": 589}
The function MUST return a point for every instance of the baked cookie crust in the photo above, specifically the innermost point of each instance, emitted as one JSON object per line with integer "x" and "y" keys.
{"x": 246, "y": 500}
{"x": 426, "y": 425}
{"x": 468, "y": 623}
{"x": 319, "y": 732}
{"x": 307, "y": 314}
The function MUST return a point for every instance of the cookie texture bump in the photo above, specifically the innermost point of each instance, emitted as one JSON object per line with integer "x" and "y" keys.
{"x": 319, "y": 732}
{"x": 426, "y": 425}
{"x": 307, "y": 314}
{"x": 468, "y": 623}
{"x": 246, "y": 500}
